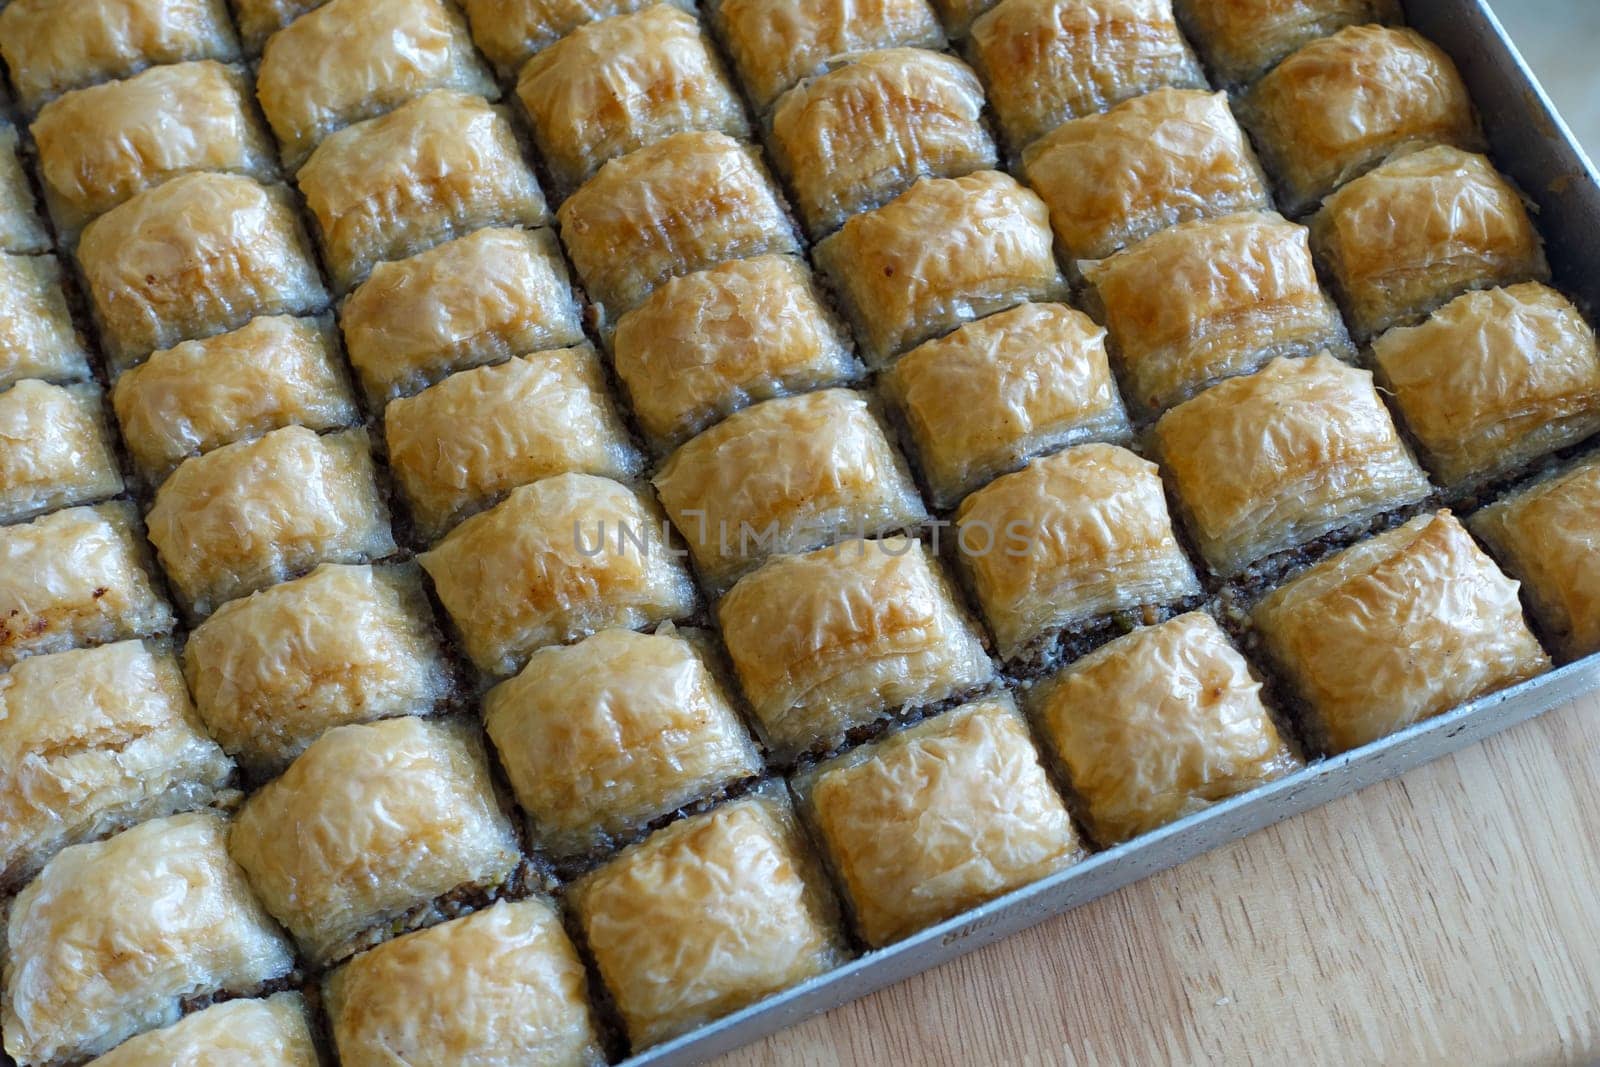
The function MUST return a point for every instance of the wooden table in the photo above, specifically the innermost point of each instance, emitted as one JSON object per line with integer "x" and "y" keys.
{"x": 1448, "y": 916}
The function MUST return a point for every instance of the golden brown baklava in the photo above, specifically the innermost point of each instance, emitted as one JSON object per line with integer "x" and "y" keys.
{"x": 509, "y": 32}
{"x": 55, "y": 449}
{"x": 274, "y": 1032}
{"x": 1241, "y": 39}
{"x": 21, "y": 228}
{"x": 37, "y": 337}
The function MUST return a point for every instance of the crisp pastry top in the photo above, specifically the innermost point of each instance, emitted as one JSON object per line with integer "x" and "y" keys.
{"x": 1396, "y": 629}
{"x": 862, "y": 133}
{"x": 347, "y": 643}
{"x": 1341, "y": 104}
{"x": 1158, "y": 724}
{"x": 1494, "y": 379}
{"x": 55, "y": 449}
{"x": 601, "y": 737}
{"x": 947, "y": 251}
{"x": 269, "y": 1033}
{"x": 260, "y": 19}
{"x": 988, "y": 395}
{"x": 113, "y": 937}
{"x": 1210, "y": 299}
{"x": 1069, "y": 539}
{"x": 795, "y": 473}
{"x": 37, "y": 338}
{"x": 509, "y": 33}
{"x": 1170, "y": 156}
{"x": 1273, "y": 460}
{"x": 838, "y": 637}
{"x": 1240, "y": 39}
{"x": 709, "y": 343}
{"x": 199, "y": 255}
{"x": 458, "y": 446}
{"x": 499, "y": 988}
{"x": 21, "y": 228}
{"x": 683, "y": 204}
{"x": 1047, "y": 61}
{"x": 372, "y": 822}
{"x": 554, "y": 561}
{"x": 199, "y": 395}
{"x": 939, "y": 818}
{"x": 621, "y": 83}
{"x": 1410, "y": 235}
{"x": 100, "y": 145}
{"x": 252, "y": 513}
{"x": 707, "y": 915}
{"x": 352, "y": 59}
{"x": 776, "y": 43}
{"x": 432, "y": 169}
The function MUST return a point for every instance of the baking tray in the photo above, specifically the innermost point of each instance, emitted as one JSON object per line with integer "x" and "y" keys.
{"x": 1533, "y": 145}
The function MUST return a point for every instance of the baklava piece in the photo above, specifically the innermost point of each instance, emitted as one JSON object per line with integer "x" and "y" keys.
{"x": 113, "y": 938}
{"x": 862, "y": 133}
{"x": 200, "y": 255}
{"x": 100, "y": 146}
{"x": 274, "y": 1032}
{"x": 776, "y": 43}
{"x": 76, "y": 577}
{"x": 1171, "y": 156}
{"x": 256, "y": 512}
{"x": 1273, "y": 461}
{"x": 1548, "y": 535}
{"x": 260, "y": 19}
{"x": 784, "y": 476}
{"x": 707, "y": 344}
{"x": 958, "y": 15}
{"x": 1069, "y": 540}
{"x": 1158, "y": 724}
{"x": 52, "y": 46}
{"x": 603, "y": 737}
{"x": 21, "y": 228}
{"x": 708, "y": 915}
{"x": 347, "y": 643}
{"x": 1419, "y": 230}
{"x": 369, "y": 827}
{"x": 1395, "y": 630}
{"x": 1339, "y": 106}
{"x": 1211, "y": 299}
{"x": 984, "y": 399}
{"x": 497, "y": 988}
{"x": 509, "y": 33}
{"x": 276, "y": 371}
{"x": 948, "y": 251}
{"x": 55, "y": 450}
{"x": 1047, "y": 61}
{"x": 842, "y": 637}
{"x": 939, "y": 818}
{"x": 92, "y": 741}
{"x": 622, "y": 83}
{"x": 1241, "y": 39}
{"x": 461, "y": 445}
{"x": 680, "y": 205}
{"x": 1494, "y": 380}
{"x": 554, "y": 561}
{"x": 37, "y": 338}
{"x": 437, "y": 167}
{"x": 478, "y": 299}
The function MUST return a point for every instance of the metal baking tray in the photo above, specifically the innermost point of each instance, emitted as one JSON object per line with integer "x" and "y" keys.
{"x": 1533, "y": 145}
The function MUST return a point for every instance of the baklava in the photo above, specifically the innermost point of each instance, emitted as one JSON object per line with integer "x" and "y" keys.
{"x": 603, "y": 737}
{"x": 992, "y": 394}
{"x": 508, "y": 33}
{"x": 1207, "y": 300}
{"x": 37, "y": 338}
{"x": 347, "y": 643}
{"x": 55, "y": 449}
{"x": 1494, "y": 380}
{"x": 1396, "y": 630}
{"x": 260, "y": 19}
{"x": 553, "y": 562}
{"x": 256, "y": 512}
{"x": 368, "y": 829}
{"x": 957, "y": 15}
{"x": 1241, "y": 39}
{"x": 945, "y": 252}
{"x": 862, "y": 133}
{"x": 1272, "y": 461}
{"x": 1419, "y": 230}
{"x": 1158, "y": 724}
{"x": 939, "y": 818}
{"x": 1068, "y": 541}
{"x": 274, "y": 1032}
{"x": 21, "y": 228}
{"x": 840, "y": 638}
{"x": 114, "y": 938}
{"x": 708, "y": 915}
{"x": 497, "y": 988}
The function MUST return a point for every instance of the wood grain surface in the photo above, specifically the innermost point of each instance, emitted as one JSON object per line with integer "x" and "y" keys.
{"x": 1448, "y": 916}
